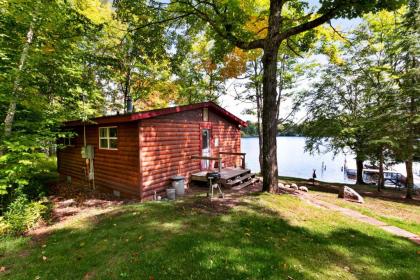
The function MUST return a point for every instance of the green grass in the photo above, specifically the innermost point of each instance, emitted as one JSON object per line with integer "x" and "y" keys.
{"x": 265, "y": 237}
{"x": 386, "y": 206}
{"x": 399, "y": 214}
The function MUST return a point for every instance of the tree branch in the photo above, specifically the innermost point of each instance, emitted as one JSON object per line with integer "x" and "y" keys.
{"x": 307, "y": 25}
{"x": 292, "y": 49}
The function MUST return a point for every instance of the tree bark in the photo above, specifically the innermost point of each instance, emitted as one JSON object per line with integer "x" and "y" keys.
{"x": 259, "y": 109}
{"x": 269, "y": 113}
{"x": 359, "y": 169}
{"x": 409, "y": 180}
{"x": 411, "y": 135}
{"x": 269, "y": 119}
{"x": 11, "y": 111}
{"x": 381, "y": 181}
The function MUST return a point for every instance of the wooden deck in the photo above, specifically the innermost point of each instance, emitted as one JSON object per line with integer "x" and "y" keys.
{"x": 235, "y": 177}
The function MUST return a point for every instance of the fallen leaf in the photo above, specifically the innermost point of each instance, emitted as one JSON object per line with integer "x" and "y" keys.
{"x": 2, "y": 269}
{"x": 45, "y": 245}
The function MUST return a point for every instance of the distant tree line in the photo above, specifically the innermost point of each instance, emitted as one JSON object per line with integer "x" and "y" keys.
{"x": 286, "y": 129}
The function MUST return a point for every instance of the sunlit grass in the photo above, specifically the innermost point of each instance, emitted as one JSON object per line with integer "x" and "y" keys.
{"x": 403, "y": 214}
{"x": 265, "y": 237}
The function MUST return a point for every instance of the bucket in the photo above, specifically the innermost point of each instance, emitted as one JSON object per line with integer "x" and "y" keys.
{"x": 178, "y": 185}
{"x": 170, "y": 194}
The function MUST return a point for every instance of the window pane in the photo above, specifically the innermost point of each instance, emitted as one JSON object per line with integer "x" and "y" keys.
{"x": 102, "y": 132}
{"x": 113, "y": 143}
{"x": 205, "y": 138}
{"x": 103, "y": 143}
{"x": 112, "y": 132}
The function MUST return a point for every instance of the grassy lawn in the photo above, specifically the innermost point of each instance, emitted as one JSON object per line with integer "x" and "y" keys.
{"x": 386, "y": 206}
{"x": 405, "y": 216}
{"x": 264, "y": 237}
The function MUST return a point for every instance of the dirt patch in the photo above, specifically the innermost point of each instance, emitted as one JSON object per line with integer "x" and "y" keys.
{"x": 69, "y": 203}
{"x": 218, "y": 205}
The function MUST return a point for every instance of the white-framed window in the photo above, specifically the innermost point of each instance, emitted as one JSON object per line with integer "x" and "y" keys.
{"x": 108, "y": 138}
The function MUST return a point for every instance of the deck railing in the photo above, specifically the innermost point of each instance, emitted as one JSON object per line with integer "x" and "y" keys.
{"x": 235, "y": 154}
{"x": 219, "y": 158}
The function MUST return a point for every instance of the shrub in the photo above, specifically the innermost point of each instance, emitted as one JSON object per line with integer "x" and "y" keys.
{"x": 4, "y": 226}
{"x": 23, "y": 214}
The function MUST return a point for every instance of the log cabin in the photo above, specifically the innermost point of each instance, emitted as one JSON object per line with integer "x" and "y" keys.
{"x": 136, "y": 154}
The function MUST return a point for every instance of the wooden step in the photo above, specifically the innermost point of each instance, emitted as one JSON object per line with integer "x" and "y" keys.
{"x": 231, "y": 175}
{"x": 244, "y": 185}
{"x": 239, "y": 180}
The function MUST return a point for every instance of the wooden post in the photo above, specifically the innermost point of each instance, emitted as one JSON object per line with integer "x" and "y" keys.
{"x": 220, "y": 163}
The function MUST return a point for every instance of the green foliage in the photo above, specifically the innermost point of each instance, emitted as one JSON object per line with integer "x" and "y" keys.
{"x": 22, "y": 214}
{"x": 47, "y": 76}
{"x": 18, "y": 165}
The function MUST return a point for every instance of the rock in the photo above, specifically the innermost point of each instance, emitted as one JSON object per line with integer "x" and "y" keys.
{"x": 67, "y": 203}
{"x": 287, "y": 186}
{"x": 350, "y": 194}
{"x": 294, "y": 187}
{"x": 280, "y": 185}
{"x": 303, "y": 188}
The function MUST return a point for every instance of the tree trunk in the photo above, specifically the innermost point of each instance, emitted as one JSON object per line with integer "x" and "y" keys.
{"x": 359, "y": 169}
{"x": 409, "y": 181}
{"x": 10, "y": 115}
{"x": 411, "y": 142}
{"x": 269, "y": 119}
{"x": 259, "y": 105}
{"x": 381, "y": 181}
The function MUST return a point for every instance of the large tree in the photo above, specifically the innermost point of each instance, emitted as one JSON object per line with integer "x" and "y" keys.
{"x": 228, "y": 23}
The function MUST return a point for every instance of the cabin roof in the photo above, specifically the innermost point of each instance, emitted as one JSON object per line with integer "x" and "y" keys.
{"x": 160, "y": 112}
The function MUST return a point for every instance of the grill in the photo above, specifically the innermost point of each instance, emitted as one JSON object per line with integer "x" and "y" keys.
{"x": 213, "y": 180}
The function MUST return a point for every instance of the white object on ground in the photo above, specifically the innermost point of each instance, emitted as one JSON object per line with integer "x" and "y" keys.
{"x": 350, "y": 194}
{"x": 303, "y": 188}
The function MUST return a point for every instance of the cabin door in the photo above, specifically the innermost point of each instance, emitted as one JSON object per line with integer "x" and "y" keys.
{"x": 205, "y": 148}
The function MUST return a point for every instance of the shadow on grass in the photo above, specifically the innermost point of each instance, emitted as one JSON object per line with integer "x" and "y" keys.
{"x": 177, "y": 241}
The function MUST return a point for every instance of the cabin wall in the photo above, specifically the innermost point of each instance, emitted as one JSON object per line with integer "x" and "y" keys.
{"x": 114, "y": 169}
{"x": 167, "y": 144}
{"x": 229, "y": 138}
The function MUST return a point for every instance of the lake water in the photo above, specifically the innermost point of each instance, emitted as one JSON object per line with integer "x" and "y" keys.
{"x": 293, "y": 161}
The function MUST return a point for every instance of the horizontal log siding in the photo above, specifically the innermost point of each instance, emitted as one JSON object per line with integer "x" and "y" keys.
{"x": 168, "y": 142}
{"x": 114, "y": 169}
{"x": 229, "y": 136}
{"x": 166, "y": 147}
